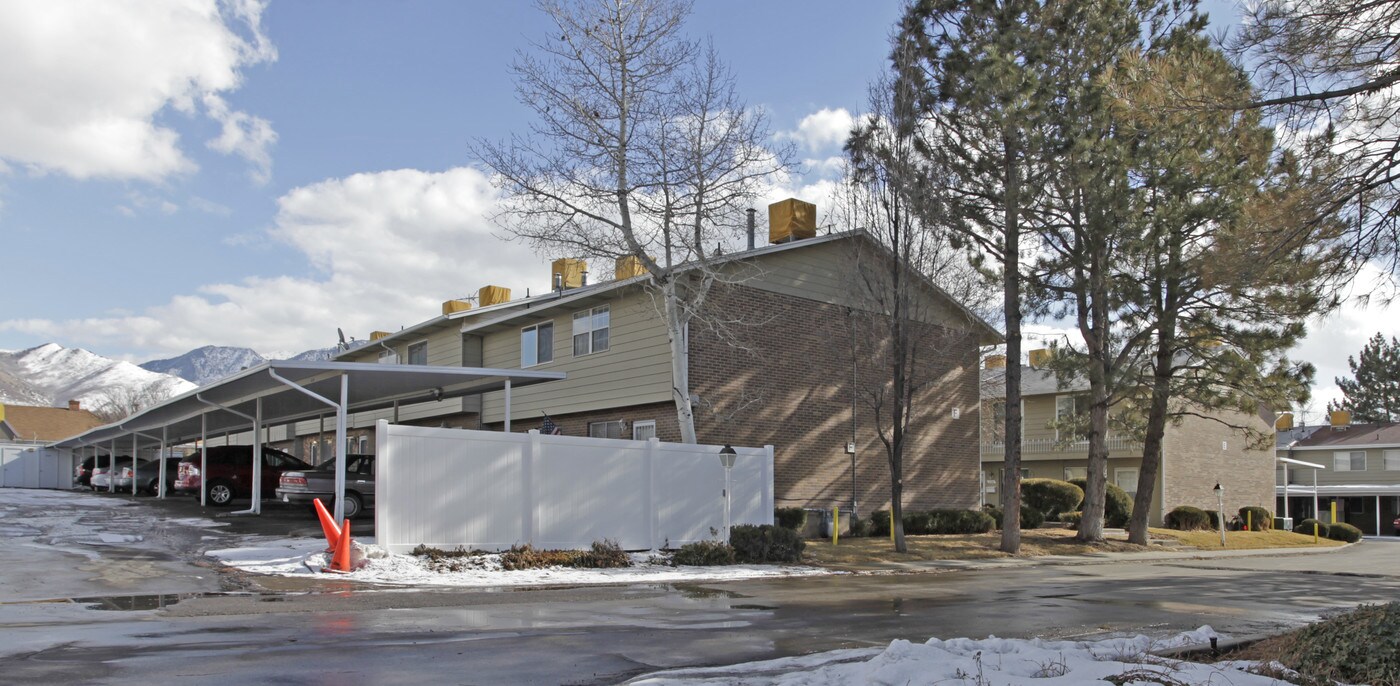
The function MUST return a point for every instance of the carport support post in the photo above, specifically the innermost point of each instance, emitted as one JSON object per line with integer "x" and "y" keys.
{"x": 135, "y": 452}
{"x": 203, "y": 457}
{"x": 256, "y": 506}
{"x": 160, "y": 460}
{"x": 112, "y": 468}
{"x": 340, "y": 448}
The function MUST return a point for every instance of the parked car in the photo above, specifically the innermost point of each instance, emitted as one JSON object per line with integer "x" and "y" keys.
{"x": 1396, "y": 524}
{"x": 148, "y": 473}
{"x": 101, "y": 477}
{"x": 304, "y": 486}
{"x": 82, "y": 474}
{"x": 230, "y": 472}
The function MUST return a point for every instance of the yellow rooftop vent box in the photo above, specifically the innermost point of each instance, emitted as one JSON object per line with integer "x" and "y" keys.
{"x": 376, "y": 335}
{"x": 1340, "y": 419}
{"x": 568, "y": 273}
{"x": 628, "y": 266}
{"x": 492, "y": 295}
{"x": 790, "y": 220}
{"x": 455, "y": 306}
{"x": 996, "y": 362}
{"x": 1284, "y": 421}
{"x": 1039, "y": 357}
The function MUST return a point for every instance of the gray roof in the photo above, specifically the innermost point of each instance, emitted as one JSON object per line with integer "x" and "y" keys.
{"x": 1033, "y": 382}
{"x": 1352, "y": 436}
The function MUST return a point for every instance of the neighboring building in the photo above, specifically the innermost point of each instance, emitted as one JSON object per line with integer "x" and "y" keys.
{"x": 1197, "y": 453}
{"x": 29, "y": 424}
{"x": 1361, "y": 473}
{"x": 783, "y": 377}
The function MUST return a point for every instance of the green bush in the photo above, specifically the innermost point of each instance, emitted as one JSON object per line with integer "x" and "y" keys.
{"x": 1030, "y": 517}
{"x": 859, "y": 527}
{"x": 1341, "y": 531}
{"x": 704, "y": 554}
{"x": 995, "y": 513}
{"x": 765, "y": 543}
{"x": 1187, "y": 518}
{"x": 1071, "y": 518}
{"x": 1305, "y": 527}
{"x": 1354, "y": 648}
{"x": 880, "y": 523}
{"x": 1214, "y": 517}
{"x": 946, "y": 522}
{"x": 916, "y": 523}
{"x": 1257, "y": 517}
{"x": 1051, "y": 496}
{"x": 790, "y": 517}
{"x": 1117, "y": 508}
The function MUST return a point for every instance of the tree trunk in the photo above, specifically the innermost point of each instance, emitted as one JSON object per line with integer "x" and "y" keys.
{"x": 680, "y": 363}
{"x": 1011, "y": 306}
{"x": 1161, "y": 394}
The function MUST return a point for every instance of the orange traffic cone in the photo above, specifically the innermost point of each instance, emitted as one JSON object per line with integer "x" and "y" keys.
{"x": 328, "y": 526}
{"x": 340, "y": 561}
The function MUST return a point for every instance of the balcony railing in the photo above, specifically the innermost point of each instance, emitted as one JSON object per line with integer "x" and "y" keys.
{"x": 1050, "y": 445}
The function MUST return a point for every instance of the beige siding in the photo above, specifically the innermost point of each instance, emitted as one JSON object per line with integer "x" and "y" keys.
{"x": 1375, "y": 473}
{"x": 635, "y": 369}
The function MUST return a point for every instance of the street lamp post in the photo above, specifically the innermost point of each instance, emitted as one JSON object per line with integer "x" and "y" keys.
{"x": 726, "y": 458}
{"x": 1220, "y": 499}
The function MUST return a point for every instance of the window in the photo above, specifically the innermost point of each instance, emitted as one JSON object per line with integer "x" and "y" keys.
{"x": 364, "y": 444}
{"x": 997, "y": 431}
{"x": 643, "y": 430}
{"x": 537, "y": 344}
{"x": 1354, "y": 461}
{"x": 1070, "y": 410}
{"x": 1392, "y": 460}
{"x": 418, "y": 353}
{"x": 1127, "y": 479}
{"x": 1076, "y": 473}
{"x": 605, "y": 429}
{"x": 591, "y": 330}
{"x": 388, "y": 357}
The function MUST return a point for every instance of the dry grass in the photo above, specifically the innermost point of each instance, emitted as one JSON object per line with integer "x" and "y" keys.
{"x": 1244, "y": 540}
{"x": 1034, "y": 543}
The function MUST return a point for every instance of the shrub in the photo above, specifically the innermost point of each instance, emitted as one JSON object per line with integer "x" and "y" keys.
{"x": 1214, "y": 517}
{"x": 1354, "y": 648}
{"x": 995, "y": 513}
{"x": 765, "y": 543}
{"x": 1030, "y": 517}
{"x": 603, "y": 554}
{"x": 859, "y": 527}
{"x": 1051, "y": 496}
{"x": 1187, "y": 518}
{"x": 959, "y": 522}
{"x": 880, "y": 523}
{"x": 1306, "y": 527}
{"x": 1071, "y": 518}
{"x": 1118, "y": 505}
{"x": 1257, "y": 517}
{"x": 916, "y": 523}
{"x": 790, "y": 518}
{"x": 1341, "y": 531}
{"x": 704, "y": 554}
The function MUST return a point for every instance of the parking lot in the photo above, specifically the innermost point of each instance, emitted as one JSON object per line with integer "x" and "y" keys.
{"x": 276, "y": 519}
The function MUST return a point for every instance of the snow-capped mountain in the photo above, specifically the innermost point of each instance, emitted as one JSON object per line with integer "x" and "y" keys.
{"x": 210, "y": 363}
{"x": 214, "y": 362}
{"x": 52, "y": 375}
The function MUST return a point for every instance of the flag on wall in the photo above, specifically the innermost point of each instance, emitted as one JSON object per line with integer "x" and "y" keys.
{"x": 549, "y": 428}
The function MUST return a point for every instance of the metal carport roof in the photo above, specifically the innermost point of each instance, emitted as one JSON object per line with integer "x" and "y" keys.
{"x": 281, "y": 391}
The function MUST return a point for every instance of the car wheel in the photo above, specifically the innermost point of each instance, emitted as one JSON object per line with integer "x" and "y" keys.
{"x": 220, "y": 493}
{"x": 353, "y": 505}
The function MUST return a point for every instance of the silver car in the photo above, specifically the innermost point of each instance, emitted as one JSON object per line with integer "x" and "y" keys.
{"x": 147, "y": 472}
{"x": 307, "y": 485}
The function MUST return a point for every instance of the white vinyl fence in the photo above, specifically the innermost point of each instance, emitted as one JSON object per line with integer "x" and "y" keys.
{"x": 30, "y": 466}
{"x": 490, "y": 490}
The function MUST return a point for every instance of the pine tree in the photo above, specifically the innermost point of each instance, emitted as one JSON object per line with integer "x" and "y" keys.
{"x": 1372, "y": 394}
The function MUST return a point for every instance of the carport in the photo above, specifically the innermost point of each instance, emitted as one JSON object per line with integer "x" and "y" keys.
{"x": 281, "y": 392}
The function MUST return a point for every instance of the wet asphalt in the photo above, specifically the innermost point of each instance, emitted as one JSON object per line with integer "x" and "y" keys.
{"x": 169, "y": 615}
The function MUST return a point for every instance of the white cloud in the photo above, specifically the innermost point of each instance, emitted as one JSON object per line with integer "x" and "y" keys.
{"x": 822, "y": 131}
{"x": 1331, "y": 340}
{"x": 383, "y": 250}
{"x": 86, "y": 83}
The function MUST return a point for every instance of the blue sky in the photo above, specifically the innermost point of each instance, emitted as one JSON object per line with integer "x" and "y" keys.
{"x": 175, "y": 174}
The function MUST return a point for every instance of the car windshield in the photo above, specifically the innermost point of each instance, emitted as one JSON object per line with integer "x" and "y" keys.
{"x": 359, "y": 464}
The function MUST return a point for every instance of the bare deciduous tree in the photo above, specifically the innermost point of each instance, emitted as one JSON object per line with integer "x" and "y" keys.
{"x": 641, "y": 146}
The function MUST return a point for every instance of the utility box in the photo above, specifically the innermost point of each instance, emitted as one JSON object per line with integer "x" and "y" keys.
{"x": 568, "y": 272}
{"x": 454, "y": 306}
{"x": 791, "y": 220}
{"x": 492, "y": 295}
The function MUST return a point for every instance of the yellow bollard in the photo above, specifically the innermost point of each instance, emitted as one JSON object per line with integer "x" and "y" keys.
{"x": 891, "y": 518}
{"x": 1334, "y": 513}
{"x": 1249, "y": 521}
{"x": 836, "y": 526}
{"x": 1314, "y": 533}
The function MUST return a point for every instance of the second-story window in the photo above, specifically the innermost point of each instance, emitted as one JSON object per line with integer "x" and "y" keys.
{"x": 1071, "y": 417}
{"x": 591, "y": 330}
{"x": 1353, "y": 461}
{"x": 537, "y": 344}
{"x": 418, "y": 353}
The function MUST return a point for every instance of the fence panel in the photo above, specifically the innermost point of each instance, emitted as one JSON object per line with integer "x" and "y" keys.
{"x": 489, "y": 490}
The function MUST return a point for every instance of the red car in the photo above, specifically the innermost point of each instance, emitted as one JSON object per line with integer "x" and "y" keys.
{"x": 230, "y": 473}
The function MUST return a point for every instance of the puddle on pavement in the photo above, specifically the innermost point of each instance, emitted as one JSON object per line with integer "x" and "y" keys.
{"x": 131, "y": 603}
{"x": 703, "y": 592}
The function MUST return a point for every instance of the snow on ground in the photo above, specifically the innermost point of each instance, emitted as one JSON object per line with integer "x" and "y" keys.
{"x": 307, "y": 557}
{"x": 986, "y": 662}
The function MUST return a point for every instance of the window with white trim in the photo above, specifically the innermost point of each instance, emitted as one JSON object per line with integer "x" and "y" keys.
{"x": 642, "y": 430}
{"x": 605, "y": 429}
{"x": 1126, "y": 479}
{"x": 1072, "y": 473}
{"x": 537, "y": 344}
{"x": 418, "y": 353}
{"x": 1067, "y": 407}
{"x": 1392, "y": 460}
{"x": 591, "y": 330}
{"x": 1351, "y": 461}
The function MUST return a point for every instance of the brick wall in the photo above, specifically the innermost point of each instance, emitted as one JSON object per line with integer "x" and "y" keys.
{"x": 1194, "y": 461}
